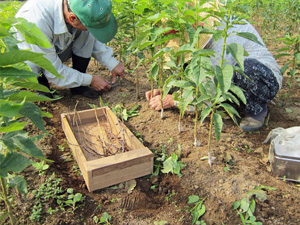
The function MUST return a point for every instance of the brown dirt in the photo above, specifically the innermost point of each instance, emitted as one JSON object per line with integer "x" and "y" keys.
{"x": 249, "y": 167}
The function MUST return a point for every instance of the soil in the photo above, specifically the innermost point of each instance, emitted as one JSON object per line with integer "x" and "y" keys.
{"x": 240, "y": 165}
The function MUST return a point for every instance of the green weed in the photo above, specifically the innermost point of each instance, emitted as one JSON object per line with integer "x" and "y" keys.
{"x": 125, "y": 114}
{"x": 61, "y": 199}
{"x": 197, "y": 210}
{"x": 172, "y": 164}
{"x": 247, "y": 206}
{"x": 104, "y": 219}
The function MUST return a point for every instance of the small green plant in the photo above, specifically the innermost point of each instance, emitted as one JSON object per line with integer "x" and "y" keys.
{"x": 246, "y": 207}
{"x": 125, "y": 114}
{"x": 172, "y": 163}
{"x": 227, "y": 168}
{"x": 76, "y": 170}
{"x": 41, "y": 167}
{"x": 169, "y": 196}
{"x": 73, "y": 199}
{"x": 198, "y": 209}
{"x": 139, "y": 136}
{"x": 60, "y": 199}
{"x": 159, "y": 158}
{"x": 105, "y": 219}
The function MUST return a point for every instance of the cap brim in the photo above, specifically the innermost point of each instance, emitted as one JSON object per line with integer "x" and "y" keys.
{"x": 107, "y": 33}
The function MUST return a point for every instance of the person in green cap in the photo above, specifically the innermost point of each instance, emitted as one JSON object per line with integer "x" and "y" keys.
{"x": 77, "y": 29}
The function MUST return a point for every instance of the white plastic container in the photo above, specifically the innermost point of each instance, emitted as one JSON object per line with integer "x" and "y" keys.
{"x": 284, "y": 153}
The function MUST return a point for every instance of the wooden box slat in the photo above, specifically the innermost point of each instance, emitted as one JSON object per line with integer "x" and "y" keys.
{"x": 99, "y": 171}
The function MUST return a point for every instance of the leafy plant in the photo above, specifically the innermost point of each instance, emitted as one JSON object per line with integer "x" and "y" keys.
{"x": 172, "y": 164}
{"x": 105, "y": 219}
{"x": 125, "y": 114}
{"x": 17, "y": 102}
{"x": 41, "y": 167}
{"x": 246, "y": 207}
{"x": 73, "y": 199}
{"x": 52, "y": 191}
{"x": 198, "y": 209}
{"x": 292, "y": 51}
{"x": 159, "y": 158}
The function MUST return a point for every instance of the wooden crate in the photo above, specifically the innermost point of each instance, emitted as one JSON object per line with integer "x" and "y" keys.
{"x": 84, "y": 131}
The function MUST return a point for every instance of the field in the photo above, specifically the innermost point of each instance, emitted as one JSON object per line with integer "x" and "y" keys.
{"x": 240, "y": 170}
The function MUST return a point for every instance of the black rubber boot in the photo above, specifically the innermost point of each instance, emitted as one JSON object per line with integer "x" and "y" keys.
{"x": 44, "y": 81}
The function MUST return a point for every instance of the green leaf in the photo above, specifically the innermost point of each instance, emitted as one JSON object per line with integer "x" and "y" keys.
{"x": 205, "y": 113}
{"x": 20, "y": 183}
{"x": 236, "y": 204}
{"x": 33, "y": 112}
{"x": 239, "y": 93}
{"x": 245, "y": 204}
{"x": 218, "y": 122}
{"x": 32, "y": 34}
{"x": 9, "y": 108}
{"x": 105, "y": 217}
{"x": 47, "y": 114}
{"x": 186, "y": 99}
{"x": 12, "y": 162}
{"x": 237, "y": 51}
{"x": 185, "y": 49}
{"x": 282, "y": 55}
{"x": 11, "y": 43}
{"x": 204, "y": 52}
{"x": 250, "y": 36}
{"x": 13, "y": 127}
{"x": 16, "y": 73}
{"x": 182, "y": 84}
{"x": 231, "y": 111}
{"x": 193, "y": 199}
{"x": 227, "y": 77}
{"x": 172, "y": 165}
{"x": 198, "y": 213}
{"x": 77, "y": 197}
{"x": 154, "y": 70}
{"x": 288, "y": 110}
{"x": 3, "y": 217}
{"x": 30, "y": 96}
{"x": 259, "y": 194}
{"x": 252, "y": 206}
{"x": 3, "y": 32}
{"x": 32, "y": 86}
{"x": 13, "y": 57}
{"x": 20, "y": 140}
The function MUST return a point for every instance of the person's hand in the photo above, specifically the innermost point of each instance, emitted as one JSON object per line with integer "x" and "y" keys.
{"x": 155, "y": 102}
{"x": 149, "y": 94}
{"x": 119, "y": 70}
{"x": 100, "y": 84}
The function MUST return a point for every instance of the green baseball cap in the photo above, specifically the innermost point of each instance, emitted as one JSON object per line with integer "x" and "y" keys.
{"x": 97, "y": 16}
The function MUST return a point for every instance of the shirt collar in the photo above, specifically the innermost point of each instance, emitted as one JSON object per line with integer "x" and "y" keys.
{"x": 60, "y": 25}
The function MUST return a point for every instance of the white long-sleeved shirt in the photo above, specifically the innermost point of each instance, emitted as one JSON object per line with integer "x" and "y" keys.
{"x": 255, "y": 50}
{"x": 48, "y": 16}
